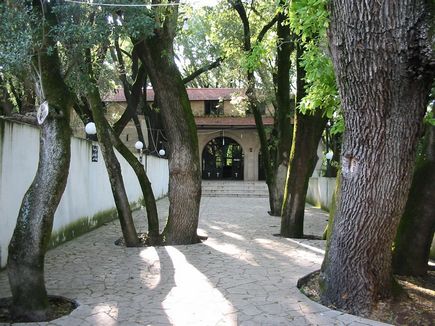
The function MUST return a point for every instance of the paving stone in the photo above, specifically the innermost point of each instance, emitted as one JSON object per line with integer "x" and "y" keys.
{"x": 242, "y": 275}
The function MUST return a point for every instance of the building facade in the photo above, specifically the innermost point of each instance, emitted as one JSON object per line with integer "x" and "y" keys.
{"x": 228, "y": 141}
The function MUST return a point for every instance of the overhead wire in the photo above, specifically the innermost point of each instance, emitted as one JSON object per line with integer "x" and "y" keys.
{"x": 106, "y": 4}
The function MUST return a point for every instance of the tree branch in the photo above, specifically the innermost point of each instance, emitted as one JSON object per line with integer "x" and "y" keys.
{"x": 240, "y": 8}
{"x": 121, "y": 65}
{"x": 203, "y": 69}
{"x": 266, "y": 28}
{"x": 132, "y": 102}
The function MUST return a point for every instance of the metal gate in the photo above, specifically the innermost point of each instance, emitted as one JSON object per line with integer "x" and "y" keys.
{"x": 222, "y": 158}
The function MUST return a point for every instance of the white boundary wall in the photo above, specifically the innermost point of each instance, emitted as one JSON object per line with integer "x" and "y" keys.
{"x": 320, "y": 192}
{"x": 88, "y": 189}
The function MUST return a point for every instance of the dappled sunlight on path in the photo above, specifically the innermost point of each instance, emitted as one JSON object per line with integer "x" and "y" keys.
{"x": 193, "y": 299}
{"x": 241, "y": 275}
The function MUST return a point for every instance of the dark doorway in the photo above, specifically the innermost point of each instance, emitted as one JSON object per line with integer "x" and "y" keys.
{"x": 222, "y": 158}
{"x": 261, "y": 173}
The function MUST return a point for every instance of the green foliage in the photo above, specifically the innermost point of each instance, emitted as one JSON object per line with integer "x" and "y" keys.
{"x": 309, "y": 20}
{"x": 217, "y": 32}
{"x": 321, "y": 87}
{"x": 430, "y": 117}
{"x": 212, "y": 33}
{"x": 15, "y": 37}
{"x": 253, "y": 61}
{"x": 338, "y": 124}
{"x": 93, "y": 29}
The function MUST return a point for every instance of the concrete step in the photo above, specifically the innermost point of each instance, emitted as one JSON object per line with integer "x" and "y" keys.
{"x": 234, "y": 189}
{"x": 239, "y": 195}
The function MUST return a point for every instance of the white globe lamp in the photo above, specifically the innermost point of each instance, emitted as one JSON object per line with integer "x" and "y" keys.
{"x": 90, "y": 128}
{"x": 138, "y": 145}
{"x": 162, "y": 152}
{"x": 329, "y": 155}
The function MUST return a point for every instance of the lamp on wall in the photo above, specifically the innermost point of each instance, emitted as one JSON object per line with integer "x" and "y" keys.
{"x": 139, "y": 146}
{"x": 90, "y": 128}
{"x": 161, "y": 151}
{"x": 91, "y": 131}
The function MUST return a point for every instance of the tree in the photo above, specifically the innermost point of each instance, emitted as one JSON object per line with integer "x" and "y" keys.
{"x": 250, "y": 48}
{"x": 284, "y": 110}
{"x": 35, "y": 219}
{"x": 112, "y": 165}
{"x": 315, "y": 103}
{"x": 157, "y": 55}
{"x": 384, "y": 66}
{"x": 417, "y": 225}
{"x": 252, "y": 53}
{"x": 85, "y": 34}
{"x": 85, "y": 44}
{"x": 303, "y": 158}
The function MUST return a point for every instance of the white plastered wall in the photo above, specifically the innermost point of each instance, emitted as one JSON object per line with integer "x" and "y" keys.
{"x": 88, "y": 189}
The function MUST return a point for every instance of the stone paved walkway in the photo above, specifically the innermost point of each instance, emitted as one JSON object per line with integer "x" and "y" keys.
{"x": 242, "y": 275}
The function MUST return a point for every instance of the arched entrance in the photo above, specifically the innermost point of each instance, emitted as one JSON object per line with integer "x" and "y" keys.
{"x": 261, "y": 173}
{"x": 222, "y": 158}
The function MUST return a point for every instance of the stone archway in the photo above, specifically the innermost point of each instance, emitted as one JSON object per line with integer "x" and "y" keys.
{"x": 222, "y": 159}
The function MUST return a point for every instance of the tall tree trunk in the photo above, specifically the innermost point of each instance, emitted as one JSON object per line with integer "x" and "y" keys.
{"x": 308, "y": 129}
{"x": 133, "y": 97}
{"x": 157, "y": 55}
{"x": 113, "y": 168}
{"x": 262, "y": 135}
{"x": 145, "y": 185}
{"x": 303, "y": 159}
{"x": 416, "y": 228}
{"x": 28, "y": 96}
{"x": 332, "y": 209}
{"x": 35, "y": 218}
{"x": 154, "y": 127}
{"x": 239, "y": 7}
{"x": 283, "y": 115}
{"x": 384, "y": 66}
{"x": 147, "y": 191}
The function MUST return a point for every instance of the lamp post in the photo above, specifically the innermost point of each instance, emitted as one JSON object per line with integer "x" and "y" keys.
{"x": 139, "y": 146}
{"x": 90, "y": 128}
{"x": 329, "y": 154}
{"x": 91, "y": 132}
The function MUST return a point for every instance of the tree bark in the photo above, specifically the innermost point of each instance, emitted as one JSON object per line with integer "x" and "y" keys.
{"x": 334, "y": 204}
{"x": 147, "y": 191}
{"x": 145, "y": 185}
{"x": 133, "y": 100}
{"x": 384, "y": 67}
{"x": 283, "y": 115}
{"x": 303, "y": 159}
{"x": 251, "y": 92}
{"x": 113, "y": 168}
{"x": 154, "y": 127}
{"x": 203, "y": 69}
{"x": 417, "y": 225}
{"x": 157, "y": 55}
{"x": 35, "y": 218}
{"x": 308, "y": 129}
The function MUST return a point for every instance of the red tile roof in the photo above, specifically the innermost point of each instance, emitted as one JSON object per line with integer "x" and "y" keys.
{"x": 195, "y": 94}
{"x": 213, "y": 122}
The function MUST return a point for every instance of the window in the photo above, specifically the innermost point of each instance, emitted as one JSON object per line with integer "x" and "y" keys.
{"x": 213, "y": 107}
